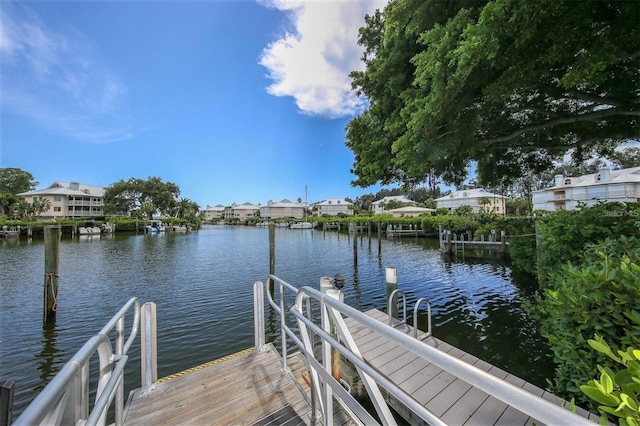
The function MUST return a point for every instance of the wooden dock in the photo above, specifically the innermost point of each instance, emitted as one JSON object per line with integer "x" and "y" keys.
{"x": 247, "y": 388}
{"x": 453, "y": 399}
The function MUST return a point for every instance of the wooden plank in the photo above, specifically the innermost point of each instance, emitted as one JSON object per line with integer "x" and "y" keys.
{"x": 241, "y": 390}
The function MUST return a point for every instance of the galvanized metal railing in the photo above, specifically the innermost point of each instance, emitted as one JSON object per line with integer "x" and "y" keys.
{"x": 416, "y": 308}
{"x": 324, "y": 386}
{"x": 65, "y": 400}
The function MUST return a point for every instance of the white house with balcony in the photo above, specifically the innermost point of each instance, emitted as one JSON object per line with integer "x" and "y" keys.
{"x": 69, "y": 199}
{"x": 214, "y": 212}
{"x": 334, "y": 207}
{"x": 282, "y": 209}
{"x": 381, "y": 206}
{"x": 241, "y": 211}
{"x": 478, "y": 199}
{"x": 607, "y": 185}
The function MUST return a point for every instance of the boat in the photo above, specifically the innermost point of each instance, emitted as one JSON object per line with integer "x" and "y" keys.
{"x": 89, "y": 230}
{"x": 156, "y": 226}
{"x": 301, "y": 225}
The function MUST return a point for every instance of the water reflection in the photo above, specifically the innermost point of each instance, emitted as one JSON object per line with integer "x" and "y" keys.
{"x": 49, "y": 356}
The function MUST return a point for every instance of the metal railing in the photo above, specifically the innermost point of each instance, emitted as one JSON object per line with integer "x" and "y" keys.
{"x": 416, "y": 308}
{"x": 324, "y": 385}
{"x": 65, "y": 400}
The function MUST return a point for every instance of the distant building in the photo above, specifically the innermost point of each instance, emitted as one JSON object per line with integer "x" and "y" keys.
{"x": 241, "y": 211}
{"x": 379, "y": 206}
{"x": 213, "y": 212}
{"x": 69, "y": 199}
{"x": 282, "y": 209}
{"x": 606, "y": 185}
{"x": 333, "y": 207}
{"x": 410, "y": 211}
{"x": 478, "y": 199}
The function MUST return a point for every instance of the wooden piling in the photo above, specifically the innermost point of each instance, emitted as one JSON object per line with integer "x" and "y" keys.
{"x": 272, "y": 256}
{"x": 51, "y": 266}
{"x": 355, "y": 244}
{"x": 391, "y": 276}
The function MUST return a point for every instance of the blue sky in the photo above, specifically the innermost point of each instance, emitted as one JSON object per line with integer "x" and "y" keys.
{"x": 233, "y": 101}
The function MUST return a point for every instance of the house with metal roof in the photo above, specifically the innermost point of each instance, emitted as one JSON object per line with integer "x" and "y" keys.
{"x": 478, "y": 199}
{"x": 241, "y": 211}
{"x": 69, "y": 199}
{"x": 334, "y": 207}
{"x": 380, "y": 205}
{"x": 605, "y": 186}
{"x": 282, "y": 209}
{"x": 213, "y": 212}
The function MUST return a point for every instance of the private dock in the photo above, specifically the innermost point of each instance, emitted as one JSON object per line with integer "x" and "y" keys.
{"x": 425, "y": 380}
{"x": 464, "y": 244}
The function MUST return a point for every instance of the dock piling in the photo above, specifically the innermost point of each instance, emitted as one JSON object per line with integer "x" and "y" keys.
{"x": 51, "y": 265}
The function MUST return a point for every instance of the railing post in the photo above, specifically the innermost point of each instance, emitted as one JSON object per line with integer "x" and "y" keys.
{"x": 148, "y": 345}
{"x": 258, "y": 315}
{"x": 6, "y": 402}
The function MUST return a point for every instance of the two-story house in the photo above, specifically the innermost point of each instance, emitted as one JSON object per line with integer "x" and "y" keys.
{"x": 333, "y": 207}
{"x": 478, "y": 199}
{"x": 69, "y": 199}
{"x": 282, "y": 209}
{"x": 606, "y": 185}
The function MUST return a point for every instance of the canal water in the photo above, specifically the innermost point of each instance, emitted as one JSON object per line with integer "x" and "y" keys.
{"x": 202, "y": 284}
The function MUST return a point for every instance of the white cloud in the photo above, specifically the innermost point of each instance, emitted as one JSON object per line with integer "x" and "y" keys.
{"x": 312, "y": 62}
{"x": 56, "y": 79}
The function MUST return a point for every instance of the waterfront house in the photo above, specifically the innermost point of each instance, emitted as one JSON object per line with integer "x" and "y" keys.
{"x": 241, "y": 211}
{"x": 478, "y": 199}
{"x": 607, "y": 185}
{"x": 214, "y": 212}
{"x": 69, "y": 199}
{"x": 334, "y": 207}
{"x": 397, "y": 200}
{"x": 282, "y": 209}
{"x": 410, "y": 211}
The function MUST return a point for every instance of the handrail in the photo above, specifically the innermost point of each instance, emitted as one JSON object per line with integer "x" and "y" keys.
{"x": 416, "y": 308}
{"x": 528, "y": 403}
{"x": 404, "y": 305}
{"x": 65, "y": 400}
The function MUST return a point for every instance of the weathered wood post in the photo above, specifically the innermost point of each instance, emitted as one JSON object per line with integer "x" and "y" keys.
{"x": 379, "y": 226}
{"x": 51, "y": 264}
{"x": 355, "y": 243}
{"x": 503, "y": 243}
{"x": 6, "y": 402}
{"x": 272, "y": 256}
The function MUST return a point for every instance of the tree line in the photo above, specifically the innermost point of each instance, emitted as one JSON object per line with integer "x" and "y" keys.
{"x": 136, "y": 197}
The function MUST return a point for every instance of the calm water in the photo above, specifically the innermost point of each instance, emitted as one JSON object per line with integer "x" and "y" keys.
{"x": 202, "y": 285}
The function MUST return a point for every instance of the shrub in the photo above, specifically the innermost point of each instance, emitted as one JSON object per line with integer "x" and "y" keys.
{"x": 616, "y": 392}
{"x": 595, "y": 297}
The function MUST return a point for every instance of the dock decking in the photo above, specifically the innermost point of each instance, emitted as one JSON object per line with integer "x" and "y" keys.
{"x": 453, "y": 399}
{"x": 248, "y": 388}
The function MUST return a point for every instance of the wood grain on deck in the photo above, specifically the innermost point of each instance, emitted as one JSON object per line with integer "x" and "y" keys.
{"x": 239, "y": 391}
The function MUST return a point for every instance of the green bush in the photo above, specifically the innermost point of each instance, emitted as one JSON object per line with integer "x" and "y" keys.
{"x": 566, "y": 233}
{"x": 596, "y": 296}
{"x": 616, "y": 392}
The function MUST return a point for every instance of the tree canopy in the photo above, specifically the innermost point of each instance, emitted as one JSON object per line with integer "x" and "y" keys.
{"x": 509, "y": 84}
{"x": 146, "y": 196}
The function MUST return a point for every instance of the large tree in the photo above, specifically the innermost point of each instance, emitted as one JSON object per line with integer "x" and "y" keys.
{"x": 14, "y": 181}
{"x": 512, "y": 85}
{"x": 131, "y": 195}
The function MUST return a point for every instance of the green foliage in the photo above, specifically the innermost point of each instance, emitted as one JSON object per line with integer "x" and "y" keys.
{"x": 595, "y": 296}
{"x": 145, "y": 196}
{"x": 511, "y": 84}
{"x": 566, "y": 233}
{"x": 463, "y": 211}
{"x": 616, "y": 392}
